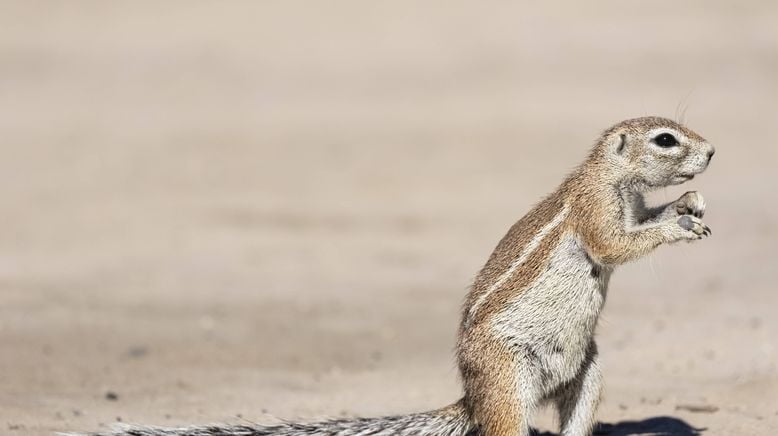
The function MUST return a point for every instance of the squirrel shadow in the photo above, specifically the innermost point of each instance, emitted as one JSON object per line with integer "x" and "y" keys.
{"x": 657, "y": 426}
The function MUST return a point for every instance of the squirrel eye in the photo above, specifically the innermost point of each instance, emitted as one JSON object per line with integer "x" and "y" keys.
{"x": 665, "y": 140}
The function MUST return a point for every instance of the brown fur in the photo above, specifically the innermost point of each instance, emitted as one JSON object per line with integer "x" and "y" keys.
{"x": 508, "y": 249}
{"x": 490, "y": 387}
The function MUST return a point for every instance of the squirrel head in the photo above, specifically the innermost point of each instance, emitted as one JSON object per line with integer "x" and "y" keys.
{"x": 648, "y": 153}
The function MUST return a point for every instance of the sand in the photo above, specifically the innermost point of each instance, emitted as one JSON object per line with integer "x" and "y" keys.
{"x": 230, "y": 212}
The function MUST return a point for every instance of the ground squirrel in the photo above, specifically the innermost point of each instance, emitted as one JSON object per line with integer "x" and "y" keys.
{"x": 526, "y": 336}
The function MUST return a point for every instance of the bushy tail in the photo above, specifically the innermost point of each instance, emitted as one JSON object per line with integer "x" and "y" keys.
{"x": 448, "y": 421}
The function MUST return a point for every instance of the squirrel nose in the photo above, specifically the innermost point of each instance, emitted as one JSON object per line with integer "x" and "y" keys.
{"x": 711, "y": 152}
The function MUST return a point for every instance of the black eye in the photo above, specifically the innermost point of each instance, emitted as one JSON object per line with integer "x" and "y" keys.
{"x": 665, "y": 140}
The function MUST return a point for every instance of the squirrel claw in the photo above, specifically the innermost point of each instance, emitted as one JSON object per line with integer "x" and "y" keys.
{"x": 691, "y": 203}
{"x": 694, "y": 225}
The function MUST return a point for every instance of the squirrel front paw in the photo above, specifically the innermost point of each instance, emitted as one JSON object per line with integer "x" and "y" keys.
{"x": 692, "y": 228}
{"x": 691, "y": 203}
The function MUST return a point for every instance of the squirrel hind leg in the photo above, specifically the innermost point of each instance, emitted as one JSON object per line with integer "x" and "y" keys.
{"x": 502, "y": 390}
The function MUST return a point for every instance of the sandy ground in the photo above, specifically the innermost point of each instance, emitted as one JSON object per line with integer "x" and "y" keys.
{"x": 229, "y": 212}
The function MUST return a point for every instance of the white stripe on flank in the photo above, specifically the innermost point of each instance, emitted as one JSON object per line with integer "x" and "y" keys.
{"x": 531, "y": 246}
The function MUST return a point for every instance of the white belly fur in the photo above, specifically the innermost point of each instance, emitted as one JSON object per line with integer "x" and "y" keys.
{"x": 552, "y": 321}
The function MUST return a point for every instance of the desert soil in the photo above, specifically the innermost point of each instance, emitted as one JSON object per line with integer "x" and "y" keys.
{"x": 230, "y": 212}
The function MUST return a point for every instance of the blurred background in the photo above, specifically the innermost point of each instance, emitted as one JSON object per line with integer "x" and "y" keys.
{"x": 220, "y": 212}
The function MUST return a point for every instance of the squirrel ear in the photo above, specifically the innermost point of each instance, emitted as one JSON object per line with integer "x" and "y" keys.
{"x": 620, "y": 143}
